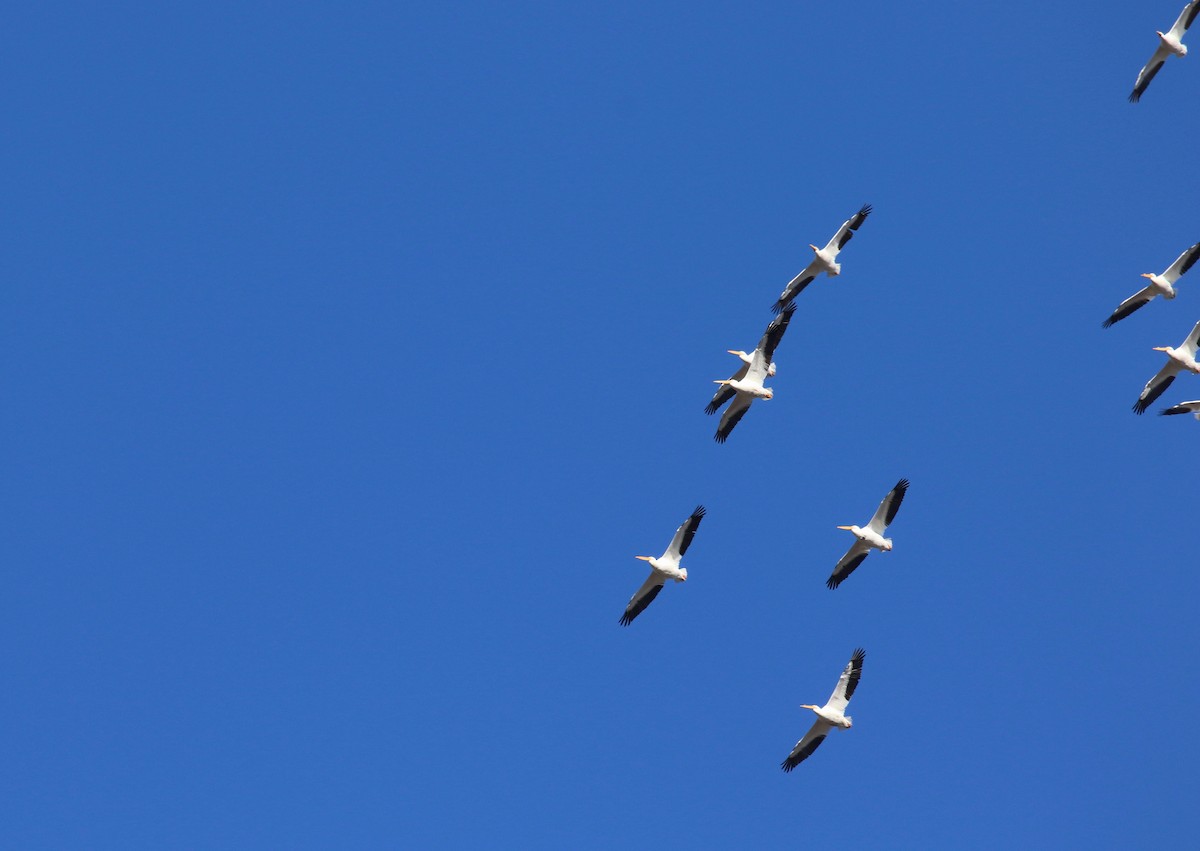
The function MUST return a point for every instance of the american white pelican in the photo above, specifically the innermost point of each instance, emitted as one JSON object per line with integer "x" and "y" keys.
{"x": 832, "y": 714}
{"x": 665, "y": 567}
{"x": 870, "y": 537}
{"x": 1170, "y": 44}
{"x": 1160, "y": 285}
{"x": 1183, "y": 408}
{"x": 825, "y": 259}
{"x": 746, "y": 385}
{"x": 1178, "y": 359}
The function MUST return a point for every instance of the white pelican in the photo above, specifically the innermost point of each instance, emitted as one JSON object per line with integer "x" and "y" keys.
{"x": 825, "y": 259}
{"x": 665, "y": 567}
{"x": 1170, "y": 43}
{"x": 746, "y": 385}
{"x": 870, "y": 537}
{"x": 1178, "y": 359}
{"x": 831, "y": 715}
{"x": 1160, "y": 285}
{"x": 1183, "y": 408}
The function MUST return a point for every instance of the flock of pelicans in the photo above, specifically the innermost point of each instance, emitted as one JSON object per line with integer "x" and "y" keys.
{"x": 746, "y": 385}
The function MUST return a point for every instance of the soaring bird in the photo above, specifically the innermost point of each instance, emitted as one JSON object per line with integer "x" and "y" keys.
{"x": 1183, "y": 408}
{"x": 1170, "y": 43}
{"x": 746, "y": 385}
{"x": 1160, "y": 285}
{"x": 825, "y": 259}
{"x": 1178, "y": 359}
{"x": 831, "y": 715}
{"x": 870, "y": 537}
{"x": 665, "y": 567}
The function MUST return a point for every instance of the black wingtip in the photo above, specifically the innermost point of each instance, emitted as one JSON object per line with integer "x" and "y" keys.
{"x": 865, "y": 211}
{"x": 778, "y": 306}
{"x": 1140, "y": 407}
{"x": 858, "y": 656}
{"x": 720, "y": 438}
{"x": 1108, "y": 323}
{"x": 1134, "y": 97}
{"x": 787, "y": 765}
{"x": 699, "y": 512}
{"x": 832, "y": 583}
{"x": 902, "y": 485}
{"x": 711, "y": 408}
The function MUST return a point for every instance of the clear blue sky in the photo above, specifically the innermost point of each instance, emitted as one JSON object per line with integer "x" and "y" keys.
{"x": 352, "y": 351}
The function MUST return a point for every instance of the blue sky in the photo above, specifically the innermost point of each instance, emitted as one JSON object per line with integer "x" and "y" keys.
{"x": 352, "y": 353}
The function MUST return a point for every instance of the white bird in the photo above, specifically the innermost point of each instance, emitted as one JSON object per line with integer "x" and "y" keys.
{"x": 1160, "y": 285}
{"x": 832, "y": 714}
{"x": 746, "y": 385}
{"x": 1178, "y": 359}
{"x": 870, "y": 537}
{"x": 665, "y": 567}
{"x": 825, "y": 259}
{"x": 1170, "y": 44}
{"x": 1183, "y": 408}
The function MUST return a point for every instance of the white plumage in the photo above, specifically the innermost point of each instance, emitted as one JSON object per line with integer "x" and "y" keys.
{"x": 869, "y": 537}
{"x": 824, "y": 259}
{"x": 832, "y": 714}
{"x": 664, "y": 567}
{"x": 1160, "y": 285}
{"x": 1178, "y": 359}
{"x": 1170, "y": 44}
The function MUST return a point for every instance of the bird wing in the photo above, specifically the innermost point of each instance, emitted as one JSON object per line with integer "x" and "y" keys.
{"x": 1185, "y": 19}
{"x": 685, "y": 533}
{"x": 1185, "y": 261}
{"x": 732, "y": 416}
{"x": 846, "y": 232}
{"x": 852, "y": 559}
{"x": 796, "y": 286}
{"x": 764, "y": 352}
{"x": 1156, "y": 386}
{"x": 1192, "y": 342}
{"x": 1138, "y": 300}
{"x": 886, "y": 512}
{"x": 804, "y": 748}
{"x": 1147, "y": 73}
{"x": 643, "y": 598}
{"x": 725, "y": 392}
{"x": 847, "y": 682}
{"x": 1182, "y": 408}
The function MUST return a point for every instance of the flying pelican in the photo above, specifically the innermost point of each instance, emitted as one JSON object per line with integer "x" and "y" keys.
{"x": 825, "y": 259}
{"x": 1183, "y": 408}
{"x": 665, "y": 567}
{"x": 746, "y": 385}
{"x": 1178, "y": 359}
{"x": 831, "y": 715}
{"x": 871, "y": 536}
{"x": 1160, "y": 285}
{"x": 1171, "y": 43}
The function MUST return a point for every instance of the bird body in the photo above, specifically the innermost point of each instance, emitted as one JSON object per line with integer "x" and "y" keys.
{"x": 665, "y": 567}
{"x": 1160, "y": 285}
{"x": 1170, "y": 44}
{"x": 832, "y": 714}
{"x": 746, "y": 384}
{"x": 1178, "y": 360}
{"x": 824, "y": 259}
{"x": 869, "y": 537}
